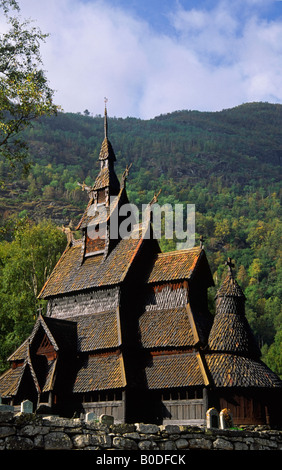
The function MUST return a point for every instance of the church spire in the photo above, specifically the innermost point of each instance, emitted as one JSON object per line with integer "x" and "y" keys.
{"x": 106, "y": 152}
{"x": 106, "y": 119}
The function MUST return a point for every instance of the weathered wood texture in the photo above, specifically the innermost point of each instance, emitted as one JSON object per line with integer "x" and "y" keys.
{"x": 184, "y": 411}
{"x": 84, "y": 303}
{"x": 166, "y": 295}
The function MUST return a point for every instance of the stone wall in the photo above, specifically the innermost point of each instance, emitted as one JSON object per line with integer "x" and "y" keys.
{"x": 31, "y": 432}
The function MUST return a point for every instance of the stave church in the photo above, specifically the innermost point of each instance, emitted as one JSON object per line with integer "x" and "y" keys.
{"x": 128, "y": 332}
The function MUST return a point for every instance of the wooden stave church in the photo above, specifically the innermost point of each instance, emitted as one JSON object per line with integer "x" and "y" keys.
{"x": 128, "y": 331}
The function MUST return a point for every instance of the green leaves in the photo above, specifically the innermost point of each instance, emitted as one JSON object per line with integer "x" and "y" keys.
{"x": 24, "y": 91}
{"x": 25, "y": 264}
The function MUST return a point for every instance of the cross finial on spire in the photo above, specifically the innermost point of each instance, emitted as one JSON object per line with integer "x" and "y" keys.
{"x": 105, "y": 119}
{"x": 229, "y": 264}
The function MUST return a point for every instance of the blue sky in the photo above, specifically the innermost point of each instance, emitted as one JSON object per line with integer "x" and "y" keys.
{"x": 157, "y": 56}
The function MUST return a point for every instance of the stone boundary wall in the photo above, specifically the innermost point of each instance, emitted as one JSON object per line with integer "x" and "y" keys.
{"x": 32, "y": 432}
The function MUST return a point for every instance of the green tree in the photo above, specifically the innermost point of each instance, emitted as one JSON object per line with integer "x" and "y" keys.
{"x": 26, "y": 263}
{"x": 255, "y": 270}
{"x": 272, "y": 356}
{"x": 24, "y": 91}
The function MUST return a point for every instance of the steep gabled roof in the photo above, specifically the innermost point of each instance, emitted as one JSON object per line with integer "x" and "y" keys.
{"x": 61, "y": 333}
{"x": 20, "y": 353}
{"x": 107, "y": 178}
{"x": 72, "y": 273}
{"x": 62, "y": 337}
{"x": 175, "y": 265}
{"x": 99, "y": 215}
{"x": 11, "y": 379}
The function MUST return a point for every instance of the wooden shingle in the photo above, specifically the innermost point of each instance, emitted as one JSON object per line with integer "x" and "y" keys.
{"x": 230, "y": 370}
{"x": 100, "y": 372}
{"x": 97, "y": 331}
{"x": 173, "y": 370}
{"x": 231, "y": 332}
{"x": 166, "y": 327}
{"x": 175, "y": 265}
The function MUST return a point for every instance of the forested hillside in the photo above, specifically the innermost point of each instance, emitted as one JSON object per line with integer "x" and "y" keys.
{"x": 227, "y": 163}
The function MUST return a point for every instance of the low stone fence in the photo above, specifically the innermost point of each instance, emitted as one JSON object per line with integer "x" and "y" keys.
{"x": 33, "y": 432}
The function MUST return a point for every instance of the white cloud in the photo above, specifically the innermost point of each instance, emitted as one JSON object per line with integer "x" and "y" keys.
{"x": 214, "y": 60}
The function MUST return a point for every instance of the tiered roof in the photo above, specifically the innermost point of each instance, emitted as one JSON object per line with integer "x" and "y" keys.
{"x": 231, "y": 332}
{"x": 233, "y": 355}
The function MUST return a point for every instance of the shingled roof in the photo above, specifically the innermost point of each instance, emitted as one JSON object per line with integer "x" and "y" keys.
{"x": 230, "y": 287}
{"x": 107, "y": 152}
{"x": 101, "y": 372}
{"x": 173, "y": 327}
{"x": 94, "y": 214}
{"x": 233, "y": 356}
{"x": 231, "y": 331}
{"x": 107, "y": 178}
{"x": 230, "y": 370}
{"x": 174, "y": 370}
{"x": 73, "y": 273}
{"x": 166, "y": 328}
{"x": 11, "y": 379}
{"x": 62, "y": 336}
{"x": 97, "y": 331}
{"x": 175, "y": 265}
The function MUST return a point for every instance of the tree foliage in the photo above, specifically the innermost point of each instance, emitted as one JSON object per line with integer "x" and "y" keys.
{"x": 24, "y": 91}
{"x": 25, "y": 264}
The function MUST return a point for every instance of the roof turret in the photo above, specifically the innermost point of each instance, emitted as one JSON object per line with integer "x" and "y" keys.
{"x": 231, "y": 331}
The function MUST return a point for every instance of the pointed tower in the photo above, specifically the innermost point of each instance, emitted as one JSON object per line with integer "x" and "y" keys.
{"x": 239, "y": 380}
{"x": 107, "y": 183}
{"x": 231, "y": 332}
{"x": 105, "y": 198}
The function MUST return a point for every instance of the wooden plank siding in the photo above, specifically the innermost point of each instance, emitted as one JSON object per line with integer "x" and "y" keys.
{"x": 184, "y": 411}
{"x": 245, "y": 409}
